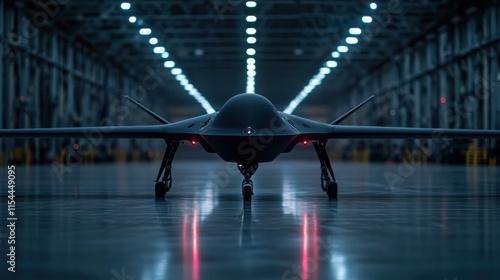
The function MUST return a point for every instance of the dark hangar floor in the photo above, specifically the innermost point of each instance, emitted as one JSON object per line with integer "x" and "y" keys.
{"x": 101, "y": 222}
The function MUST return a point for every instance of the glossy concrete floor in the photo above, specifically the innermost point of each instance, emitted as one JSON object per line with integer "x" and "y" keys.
{"x": 390, "y": 222}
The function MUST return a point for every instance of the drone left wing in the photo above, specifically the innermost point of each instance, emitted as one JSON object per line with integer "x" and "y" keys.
{"x": 183, "y": 130}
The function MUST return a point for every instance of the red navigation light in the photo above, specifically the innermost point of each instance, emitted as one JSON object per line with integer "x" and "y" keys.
{"x": 304, "y": 142}
{"x": 193, "y": 142}
{"x": 443, "y": 100}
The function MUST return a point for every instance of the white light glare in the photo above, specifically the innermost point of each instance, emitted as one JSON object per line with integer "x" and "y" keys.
{"x": 145, "y": 31}
{"x": 125, "y": 6}
{"x": 373, "y": 6}
{"x": 132, "y": 19}
{"x": 251, "y": 31}
{"x": 153, "y": 41}
{"x": 159, "y": 50}
{"x": 251, "y": 67}
{"x": 251, "y": 18}
{"x": 250, "y": 51}
{"x": 342, "y": 49}
{"x": 165, "y": 55}
{"x": 335, "y": 54}
{"x": 251, "y": 4}
{"x": 351, "y": 40}
{"x": 354, "y": 31}
{"x": 169, "y": 64}
{"x": 325, "y": 70}
{"x": 251, "y": 73}
{"x": 251, "y": 60}
{"x": 176, "y": 71}
{"x": 251, "y": 40}
{"x": 331, "y": 64}
{"x": 367, "y": 19}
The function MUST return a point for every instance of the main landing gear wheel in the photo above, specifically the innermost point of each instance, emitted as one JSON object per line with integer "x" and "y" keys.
{"x": 332, "y": 190}
{"x": 160, "y": 190}
{"x": 165, "y": 184}
{"x": 247, "y": 190}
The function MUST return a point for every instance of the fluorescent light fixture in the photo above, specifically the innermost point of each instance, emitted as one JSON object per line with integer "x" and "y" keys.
{"x": 325, "y": 71}
{"x": 354, "y": 31}
{"x": 153, "y": 41}
{"x": 176, "y": 71}
{"x": 251, "y": 18}
{"x": 251, "y": 4}
{"x": 367, "y": 19}
{"x": 251, "y": 67}
{"x": 181, "y": 78}
{"x": 251, "y": 73}
{"x": 158, "y": 49}
{"x": 251, "y": 40}
{"x": 351, "y": 40}
{"x": 250, "y": 51}
{"x": 132, "y": 19}
{"x": 251, "y": 31}
{"x": 165, "y": 55}
{"x": 169, "y": 64}
{"x": 332, "y": 63}
{"x": 342, "y": 49}
{"x": 335, "y": 54}
{"x": 373, "y": 6}
{"x": 251, "y": 60}
{"x": 184, "y": 82}
{"x": 145, "y": 31}
{"x": 125, "y": 6}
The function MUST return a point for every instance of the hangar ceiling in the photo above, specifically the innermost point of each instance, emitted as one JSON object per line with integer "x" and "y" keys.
{"x": 295, "y": 38}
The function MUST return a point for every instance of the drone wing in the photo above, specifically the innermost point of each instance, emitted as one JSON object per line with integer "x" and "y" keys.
{"x": 184, "y": 130}
{"x": 379, "y": 132}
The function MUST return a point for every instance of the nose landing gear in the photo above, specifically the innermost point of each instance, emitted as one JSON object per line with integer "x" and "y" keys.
{"x": 247, "y": 170}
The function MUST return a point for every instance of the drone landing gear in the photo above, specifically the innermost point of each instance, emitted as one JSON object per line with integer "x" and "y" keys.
{"x": 163, "y": 186}
{"x": 247, "y": 170}
{"x": 328, "y": 185}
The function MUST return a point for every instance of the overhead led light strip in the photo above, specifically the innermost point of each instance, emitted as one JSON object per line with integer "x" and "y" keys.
{"x": 329, "y": 64}
{"x": 251, "y": 40}
{"x": 170, "y": 63}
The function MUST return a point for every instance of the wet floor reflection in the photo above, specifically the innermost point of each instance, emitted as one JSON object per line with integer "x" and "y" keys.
{"x": 441, "y": 226}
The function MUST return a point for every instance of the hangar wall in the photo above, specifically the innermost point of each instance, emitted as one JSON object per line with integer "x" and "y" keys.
{"x": 40, "y": 68}
{"x": 450, "y": 78}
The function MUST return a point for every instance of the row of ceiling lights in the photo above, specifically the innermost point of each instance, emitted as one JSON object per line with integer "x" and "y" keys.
{"x": 251, "y": 39}
{"x": 329, "y": 64}
{"x": 170, "y": 63}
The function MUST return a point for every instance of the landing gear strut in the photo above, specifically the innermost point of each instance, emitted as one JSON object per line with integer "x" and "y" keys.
{"x": 163, "y": 186}
{"x": 247, "y": 170}
{"x": 328, "y": 185}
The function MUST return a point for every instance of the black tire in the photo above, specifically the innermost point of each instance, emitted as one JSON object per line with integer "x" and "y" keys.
{"x": 247, "y": 193}
{"x": 160, "y": 190}
{"x": 332, "y": 190}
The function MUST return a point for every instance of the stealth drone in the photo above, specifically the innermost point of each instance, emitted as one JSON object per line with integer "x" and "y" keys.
{"x": 248, "y": 130}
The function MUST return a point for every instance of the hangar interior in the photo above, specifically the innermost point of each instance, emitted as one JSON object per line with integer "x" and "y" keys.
{"x": 407, "y": 209}
{"x": 432, "y": 64}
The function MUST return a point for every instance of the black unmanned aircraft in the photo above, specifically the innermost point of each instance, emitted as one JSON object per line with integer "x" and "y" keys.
{"x": 248, "y": 130}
